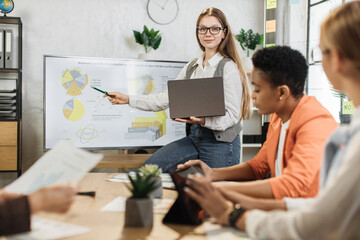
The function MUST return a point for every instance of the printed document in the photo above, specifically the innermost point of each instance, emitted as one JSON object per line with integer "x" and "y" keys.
{"x": 45, "y": 229}
{"x": 63, "y": 164}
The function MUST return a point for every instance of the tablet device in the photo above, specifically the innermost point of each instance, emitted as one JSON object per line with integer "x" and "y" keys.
{"x": 192, "y": 169}
{"x": 184, "y": 210}
{"x": 198, "y": 97}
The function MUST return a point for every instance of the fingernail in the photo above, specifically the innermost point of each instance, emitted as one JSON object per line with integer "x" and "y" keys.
{"x": 198, "y": 174}
{"x": 186, "y": 189}
{"x": 190, "y": 175}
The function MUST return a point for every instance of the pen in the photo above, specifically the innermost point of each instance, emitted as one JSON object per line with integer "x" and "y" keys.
{"x": 102, "y": 91}
{"x": 90, "y": 194}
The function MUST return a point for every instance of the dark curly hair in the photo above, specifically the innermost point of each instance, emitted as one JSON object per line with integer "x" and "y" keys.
{"x": 284, "y": 66}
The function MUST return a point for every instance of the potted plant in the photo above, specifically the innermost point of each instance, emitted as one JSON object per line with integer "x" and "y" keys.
{"x": 248, "y": 41}
{"x": 151, "y": 39}
{"x": 139, "y": 207}
{"x": 154, "y": 171}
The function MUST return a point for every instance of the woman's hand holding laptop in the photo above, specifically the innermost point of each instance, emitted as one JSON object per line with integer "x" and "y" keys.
{"x": 192, "y": 119}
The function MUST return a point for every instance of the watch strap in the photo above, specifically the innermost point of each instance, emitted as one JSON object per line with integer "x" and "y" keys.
{"x": 235, "y": 215}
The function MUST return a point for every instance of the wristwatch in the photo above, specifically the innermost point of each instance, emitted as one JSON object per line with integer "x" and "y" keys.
{"x": 235, "y": 215}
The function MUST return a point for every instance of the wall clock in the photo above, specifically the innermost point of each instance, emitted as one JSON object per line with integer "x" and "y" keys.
{"x": 162, "y": 11}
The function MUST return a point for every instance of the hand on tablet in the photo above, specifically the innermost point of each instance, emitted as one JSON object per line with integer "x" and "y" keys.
{"x": 209, "y": 198}
{"x": 206, "y": 169}
{"x": 192, "y": 119}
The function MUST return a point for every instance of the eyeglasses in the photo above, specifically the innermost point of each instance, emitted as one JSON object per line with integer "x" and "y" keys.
{"x": 213, "y": 30}
{"x": 316, "y": 54}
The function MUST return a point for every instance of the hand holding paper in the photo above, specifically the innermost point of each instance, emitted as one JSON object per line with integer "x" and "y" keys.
{"x": 63, "y": 164}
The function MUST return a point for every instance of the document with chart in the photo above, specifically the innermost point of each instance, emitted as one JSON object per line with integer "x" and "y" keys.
{"x": 63, "y": 164}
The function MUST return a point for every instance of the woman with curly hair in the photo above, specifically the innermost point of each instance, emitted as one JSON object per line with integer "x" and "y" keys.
{"x": 298, "y": 128}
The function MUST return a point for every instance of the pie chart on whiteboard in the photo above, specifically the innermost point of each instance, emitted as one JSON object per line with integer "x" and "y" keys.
{"x": 74, "y": 81}
{"x": 73, "y": 110}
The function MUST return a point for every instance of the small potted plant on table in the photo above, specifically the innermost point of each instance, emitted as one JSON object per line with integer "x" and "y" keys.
{"x": 139, "y": 207}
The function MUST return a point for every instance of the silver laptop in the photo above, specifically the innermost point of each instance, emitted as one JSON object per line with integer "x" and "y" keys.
{"x": 198, "y": 97}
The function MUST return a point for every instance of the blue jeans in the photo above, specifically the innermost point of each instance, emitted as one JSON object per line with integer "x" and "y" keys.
{"x": 200, "y": 144}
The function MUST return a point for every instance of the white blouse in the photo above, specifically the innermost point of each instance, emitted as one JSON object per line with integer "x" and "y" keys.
{"x": 232, "y": 93}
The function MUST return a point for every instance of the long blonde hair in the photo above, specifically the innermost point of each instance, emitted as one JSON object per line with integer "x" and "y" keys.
{"x": 227, "y": 48}
{"x": 341, "y": 31}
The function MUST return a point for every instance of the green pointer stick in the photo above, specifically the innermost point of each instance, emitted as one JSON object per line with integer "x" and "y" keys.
{"x": 104, "y": 92}
{"x": 90, "y": 194}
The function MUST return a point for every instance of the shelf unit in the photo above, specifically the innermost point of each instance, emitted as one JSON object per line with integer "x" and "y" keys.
{"x": 10, "y": 94}
{"x": 253, "y": 133}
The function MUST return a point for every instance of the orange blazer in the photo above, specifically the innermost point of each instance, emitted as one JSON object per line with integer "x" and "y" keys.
{"x": 310, "y": 125}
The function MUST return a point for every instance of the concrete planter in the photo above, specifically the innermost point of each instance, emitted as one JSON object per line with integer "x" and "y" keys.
{"x": 139, "y": 212}
{"x": 345, "y": 118}
{"x": 158, "y": 192}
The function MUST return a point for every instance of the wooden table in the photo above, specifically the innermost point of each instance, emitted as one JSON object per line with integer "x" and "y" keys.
{"x": 110, "y": 225}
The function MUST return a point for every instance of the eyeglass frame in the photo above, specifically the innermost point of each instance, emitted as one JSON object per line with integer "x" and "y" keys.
{"x": 209, "y": 29}
{"x": 322, "y": 53}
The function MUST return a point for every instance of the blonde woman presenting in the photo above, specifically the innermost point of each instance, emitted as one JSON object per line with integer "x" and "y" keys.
{"x": 215, "y": 140}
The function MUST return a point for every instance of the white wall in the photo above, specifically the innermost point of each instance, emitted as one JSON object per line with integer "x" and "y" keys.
{"x": 95, "y": 28}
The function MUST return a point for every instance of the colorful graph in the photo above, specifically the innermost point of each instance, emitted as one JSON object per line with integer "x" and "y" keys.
{"x": 142, "y": 84}
{"x": 73, "y": 81}
{"x": 73, "y": 110}
{"x": 151, "y": 128}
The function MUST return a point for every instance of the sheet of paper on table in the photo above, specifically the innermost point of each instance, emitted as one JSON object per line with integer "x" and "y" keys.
{"x": 64, "y": 163}
{"x": 165, "y": 178}
{"x": 45, "y": 229}
{"x": 118, "y": 205}
{"x": 216, "y": 232}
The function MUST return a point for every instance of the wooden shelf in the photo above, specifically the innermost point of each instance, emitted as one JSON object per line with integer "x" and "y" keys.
{"x": 11, "y": 98}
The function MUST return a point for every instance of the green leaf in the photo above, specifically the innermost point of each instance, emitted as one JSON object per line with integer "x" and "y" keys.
{"x": 338, "y": 94}
{"x": 156, "y": 43}
{"x": 146, "y": 30}
{"x": 150, "y": 39}
{"x": 142, "y": 186}
{"x": 138, "y": 38}
{"x": 152, "y": 34}
{"x": 248, "y": 40}
{"x": 145, "y": 39}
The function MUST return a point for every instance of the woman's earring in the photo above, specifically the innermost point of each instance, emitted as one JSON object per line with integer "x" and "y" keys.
{"x": 280, "y": 98}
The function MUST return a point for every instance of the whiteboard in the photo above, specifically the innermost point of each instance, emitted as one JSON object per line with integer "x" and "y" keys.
{"x": 76, "y": 113}
{"x": 318, "y": 84}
